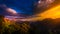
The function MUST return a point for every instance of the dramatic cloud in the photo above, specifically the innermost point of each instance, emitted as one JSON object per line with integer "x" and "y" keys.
{"x": 12, "y": 11}
{"x": 53, "y": 12}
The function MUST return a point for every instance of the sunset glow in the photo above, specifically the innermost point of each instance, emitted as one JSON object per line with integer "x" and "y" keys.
{"x": 53, "y": 13}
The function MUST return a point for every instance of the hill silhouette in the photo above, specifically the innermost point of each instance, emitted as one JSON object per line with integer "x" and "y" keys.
{"x": 46, "y": 26}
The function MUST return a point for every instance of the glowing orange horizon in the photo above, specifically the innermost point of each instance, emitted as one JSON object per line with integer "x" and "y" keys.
{"x": 53, "y": 12}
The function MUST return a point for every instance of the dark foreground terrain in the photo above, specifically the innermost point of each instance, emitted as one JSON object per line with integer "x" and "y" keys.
{"x": 47, "y": 26}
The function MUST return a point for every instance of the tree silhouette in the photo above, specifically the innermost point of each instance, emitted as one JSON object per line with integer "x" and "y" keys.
{"x": 1, "y": 22}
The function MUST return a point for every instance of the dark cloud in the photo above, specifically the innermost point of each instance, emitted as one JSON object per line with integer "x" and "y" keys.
{"x": 43, "y": 5}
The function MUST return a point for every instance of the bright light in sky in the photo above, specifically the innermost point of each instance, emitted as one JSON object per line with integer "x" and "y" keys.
{"x": 39, "y": 1}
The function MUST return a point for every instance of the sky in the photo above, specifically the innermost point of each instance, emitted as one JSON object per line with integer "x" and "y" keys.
{"x": 27, "y": 6}
{"x": 20, "y": 6}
